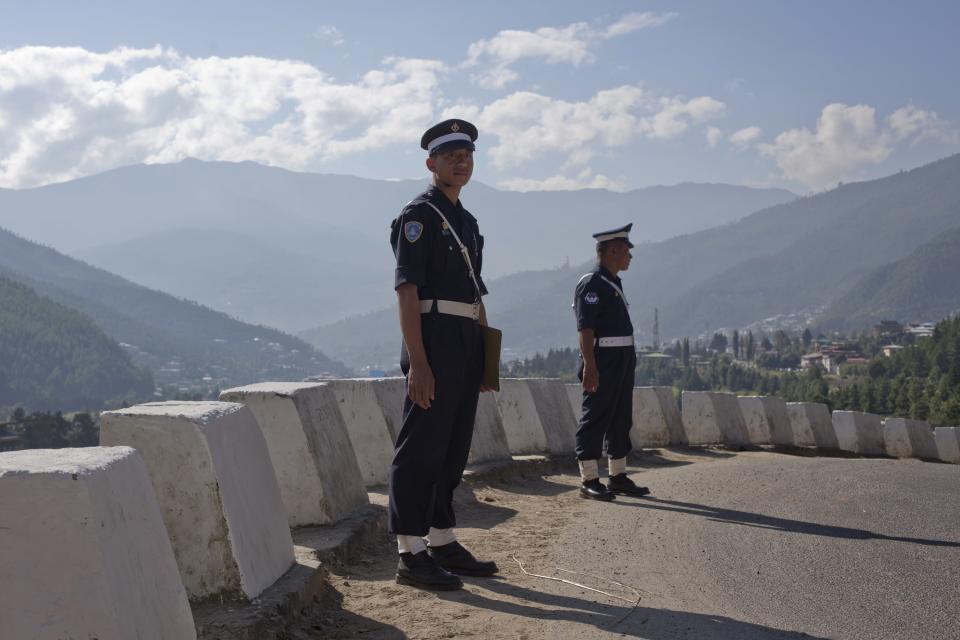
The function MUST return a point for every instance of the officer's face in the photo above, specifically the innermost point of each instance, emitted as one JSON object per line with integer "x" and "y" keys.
{"x": 622, "y": 255}
{"x": 453, "y": 167}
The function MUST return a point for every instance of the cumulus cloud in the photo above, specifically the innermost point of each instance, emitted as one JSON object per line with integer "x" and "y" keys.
{"x": 528, "y": 125}
{"x": 585, "y": 179}
{"x": 329, "y": 33}
{"x": 714, "y": 136}
{"x": 67, "y": 112}
{"x": 744, "y": 137}
{"x": 848, "y": 138}
{"x": 574, "y": 44}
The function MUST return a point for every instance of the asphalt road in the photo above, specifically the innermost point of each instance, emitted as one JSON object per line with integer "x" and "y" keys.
{"x": 761, "y": 545}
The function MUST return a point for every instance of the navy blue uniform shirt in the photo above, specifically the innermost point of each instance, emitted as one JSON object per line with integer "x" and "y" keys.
{"x": 599, "y": 306}
{"x": 427, "y": 253}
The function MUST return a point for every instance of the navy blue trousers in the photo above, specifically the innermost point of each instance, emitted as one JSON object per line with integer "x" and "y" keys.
{"x": 433, "y": 444}
{"x": 607, "y": 414}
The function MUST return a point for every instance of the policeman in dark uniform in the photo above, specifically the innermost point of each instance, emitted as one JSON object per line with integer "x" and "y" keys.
{"x": 439, "y": 252}
{"x": 608, "y": 360}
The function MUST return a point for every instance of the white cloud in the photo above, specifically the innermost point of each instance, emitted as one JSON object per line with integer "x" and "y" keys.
{"x": 528, "y": 125}
{"x": 586, "y": 179}
{"x": 744, "y": 137}
{"x": 714, "y": 136}
{"x": 573, "y": 44}
{"x": 846, "y": 139}
{"x": 638, "y": 20}
{"x": 329, "y": 33}
{"x": 68, "y": 112}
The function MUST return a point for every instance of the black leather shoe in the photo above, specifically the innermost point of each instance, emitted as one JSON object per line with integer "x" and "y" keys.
{"x": 595, "y": 490}
{"x": 456, "y": 559}
{"x": 623, "y": 485}
{"x": 420, "y": 570}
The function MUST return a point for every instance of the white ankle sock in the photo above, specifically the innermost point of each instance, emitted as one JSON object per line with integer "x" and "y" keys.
{"x": 440, "y": 537}
{"x": 617, "y": 466}
{"x": 410, "y": 544}
{"x": 589, "y": 469}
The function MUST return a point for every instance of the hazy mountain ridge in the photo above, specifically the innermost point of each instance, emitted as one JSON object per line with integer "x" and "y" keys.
{"x": 54, "y": 357}
{"x": 160, "y": 329}
{"x": 298, "y": 250}
{"x": 923, "y": 286}
{"x": 796, "y": 256}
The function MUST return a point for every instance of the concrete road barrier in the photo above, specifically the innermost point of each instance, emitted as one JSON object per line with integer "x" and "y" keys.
{"x": 858, "y": 432}
{"x": 320, "y": 480}
{"x": 575, "y": 394}
{"x": 390, "y": 393}
{"x": 366, "y": 426}
{"x": 521, "y": 422}
{"x": 656, "y": 418}
{"x": 904, "y": 438}
{"x": 553, "y": 406}
{"x": 756, "y": 418}
{"x": 714, "y": 418}
{"x": 812, "y": 420}
{"x": 802, "y": 431}
{"x": 83, "y": 550}
{"x": 218, "y": 493}
{"x": 489, "y": 438}
{"x": 948, "y": 444}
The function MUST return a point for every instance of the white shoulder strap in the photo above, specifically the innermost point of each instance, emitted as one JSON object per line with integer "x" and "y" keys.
{"x": 463, "y": 249}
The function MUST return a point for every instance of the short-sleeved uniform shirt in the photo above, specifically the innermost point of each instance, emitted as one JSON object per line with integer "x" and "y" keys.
{"x": 427, "y": 253}
{"x": 599, "y": 306}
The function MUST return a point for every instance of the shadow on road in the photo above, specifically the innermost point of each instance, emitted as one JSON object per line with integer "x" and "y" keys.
{"x": 640, "y": 622}
{"x": 719, "y": 514}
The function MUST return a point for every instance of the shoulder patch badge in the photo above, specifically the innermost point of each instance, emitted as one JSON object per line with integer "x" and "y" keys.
{"x": 591, "y": 298}
{"x": 412, "y": 231}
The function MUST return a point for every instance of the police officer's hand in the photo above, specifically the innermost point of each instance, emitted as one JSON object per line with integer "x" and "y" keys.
{"x": 421, "y": 385}
{"x": 591, "y": 378}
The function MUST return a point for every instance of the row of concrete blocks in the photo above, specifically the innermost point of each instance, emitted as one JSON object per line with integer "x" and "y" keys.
{"x": 85, "y": 554}
{"x": 191, "y": 501}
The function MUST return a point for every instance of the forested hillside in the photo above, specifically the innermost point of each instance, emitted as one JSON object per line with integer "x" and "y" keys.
{"x": 52, "y": 357}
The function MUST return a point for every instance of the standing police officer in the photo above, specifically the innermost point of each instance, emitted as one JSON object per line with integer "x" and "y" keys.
{"x": 439, "y": 252}
{"x": 608, "y": 360}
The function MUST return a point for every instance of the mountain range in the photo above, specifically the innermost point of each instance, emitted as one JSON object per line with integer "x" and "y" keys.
{"x": 791, "y": 259}
{"x": 297, "y": 250}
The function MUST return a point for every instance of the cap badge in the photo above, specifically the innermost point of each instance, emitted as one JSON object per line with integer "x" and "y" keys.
{"x": 455, "y": 127}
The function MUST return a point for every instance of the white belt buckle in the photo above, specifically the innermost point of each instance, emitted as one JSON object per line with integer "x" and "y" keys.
{"x": 476, "y": 310}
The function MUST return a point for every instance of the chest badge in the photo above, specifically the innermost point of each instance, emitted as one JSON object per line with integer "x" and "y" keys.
{"x": 591, "y": 298}
{"x": 412, "y": 231}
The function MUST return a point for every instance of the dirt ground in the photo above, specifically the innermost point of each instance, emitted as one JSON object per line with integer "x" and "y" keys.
{"x": 520, "y": 518}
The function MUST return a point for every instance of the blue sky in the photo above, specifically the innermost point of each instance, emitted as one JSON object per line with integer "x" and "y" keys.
{"x": 566, "y": 94}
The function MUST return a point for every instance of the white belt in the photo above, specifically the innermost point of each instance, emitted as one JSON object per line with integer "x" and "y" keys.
{"x": 615, "y": 341}
{"x": 449, "y": 307}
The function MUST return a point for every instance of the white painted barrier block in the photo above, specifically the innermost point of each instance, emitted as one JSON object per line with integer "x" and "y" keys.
{"x": 553, "y": 406}
{"x": 904, "y": 438}
{"x": 652, "y": 416}
{"x": 366, "y": 426}
{"x": 714, "y": 418}
{"x": 318, "y": 474}
{"x": 815, "y": 417}
{"x": 575, "y": 394}
{"x": 521, "y": 422}
{"x": 800, "y": 425}
{"x": 218, "y": 493}
{"x": 858, "y": 432}
{"x": 699, "y": 418}
{"x": 489, "y": 438}
{"x": 756, "y": 418}
{"x": 390, "y": 393}
{"x": 948, "y": 444}
{"x": 83, "y": 551}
